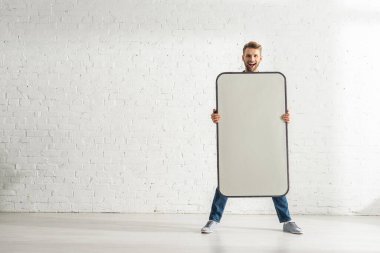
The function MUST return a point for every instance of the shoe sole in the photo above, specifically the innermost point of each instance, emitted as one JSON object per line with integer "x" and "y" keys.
{"x": 295, "y": 233}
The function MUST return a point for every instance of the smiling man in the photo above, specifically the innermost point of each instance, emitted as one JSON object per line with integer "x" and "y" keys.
{"x": 251, "y": 58}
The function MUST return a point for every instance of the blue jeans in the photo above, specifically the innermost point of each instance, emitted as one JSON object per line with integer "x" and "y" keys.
{"x": 219, "y": 203}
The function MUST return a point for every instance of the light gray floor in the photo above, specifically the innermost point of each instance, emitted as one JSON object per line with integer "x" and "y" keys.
{"x": 156, "y": 233}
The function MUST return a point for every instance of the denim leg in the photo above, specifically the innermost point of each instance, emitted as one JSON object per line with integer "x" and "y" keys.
{"x": 281, "y": 206}
{"x": 218, "y": 205}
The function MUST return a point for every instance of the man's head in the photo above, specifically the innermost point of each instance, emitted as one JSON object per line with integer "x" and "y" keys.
{"x": 251, "y": 56}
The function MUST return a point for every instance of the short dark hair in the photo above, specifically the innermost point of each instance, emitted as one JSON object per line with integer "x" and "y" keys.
{"x": 252, "y": 44}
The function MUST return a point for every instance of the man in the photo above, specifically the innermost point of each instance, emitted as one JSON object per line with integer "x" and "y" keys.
{"x": 251, "y": 58}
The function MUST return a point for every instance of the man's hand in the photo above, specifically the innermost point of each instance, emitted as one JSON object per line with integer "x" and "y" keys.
{"x": 286, "y": 117}
{"x": 215, "y": 117}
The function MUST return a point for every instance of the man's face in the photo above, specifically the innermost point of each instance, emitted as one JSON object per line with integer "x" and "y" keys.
{"x": 251, "y": 58}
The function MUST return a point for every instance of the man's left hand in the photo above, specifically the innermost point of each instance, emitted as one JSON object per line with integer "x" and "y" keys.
{"x": 286, "y": 117}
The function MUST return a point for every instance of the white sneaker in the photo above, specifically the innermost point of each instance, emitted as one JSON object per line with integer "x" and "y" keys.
{"x": 209, "y": 227}
{"x": 291, "y": 227}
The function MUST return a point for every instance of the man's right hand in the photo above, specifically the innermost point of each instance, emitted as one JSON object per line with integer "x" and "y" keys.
{"x": 215, "y": 116}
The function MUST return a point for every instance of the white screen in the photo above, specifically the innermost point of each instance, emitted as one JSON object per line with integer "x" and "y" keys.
{"x": 252, "y": 137}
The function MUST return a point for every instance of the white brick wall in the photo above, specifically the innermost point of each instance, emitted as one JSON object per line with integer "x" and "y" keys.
{"x": 105, "y": 104}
